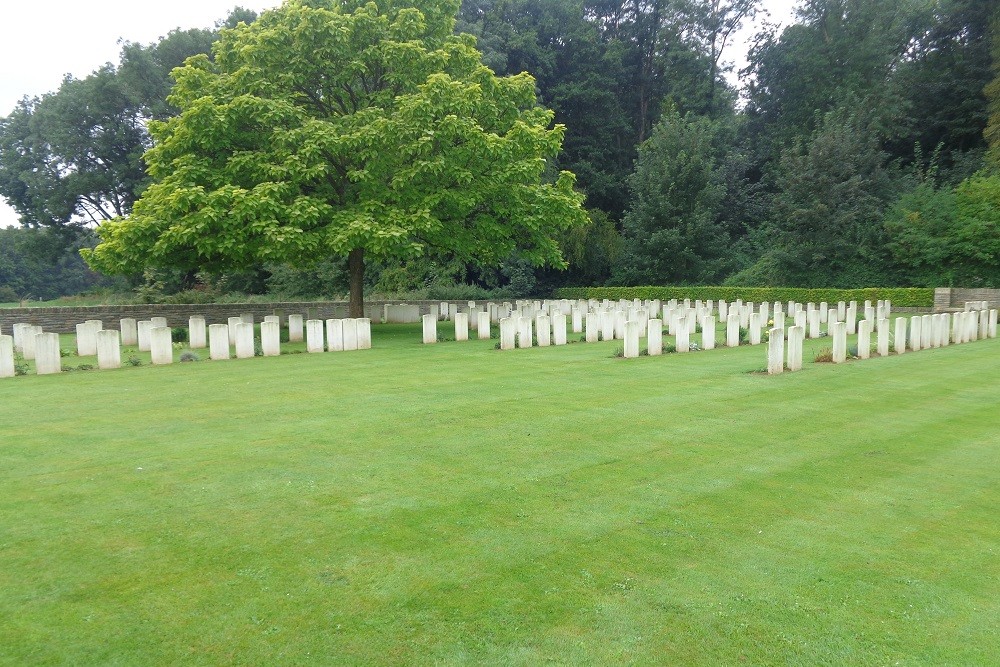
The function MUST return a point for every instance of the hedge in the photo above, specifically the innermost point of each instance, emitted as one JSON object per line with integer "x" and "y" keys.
{"x": 904, "y": 297}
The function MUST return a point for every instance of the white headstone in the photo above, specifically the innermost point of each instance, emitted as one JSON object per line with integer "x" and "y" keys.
{"x": 334, "y": 335}
{"x": 864, "y": 339}
{"x": 812, "y": 315}
{"x": 247, "y": 318}
{"x": 577, "y": 319}
{"x": 461, "y": 326}
{"x": 295, "y": 328}
{"x": 350, "y": 329}
{"x": 755, "y": 329}
{"x": 838, "y": 331}
{"x": 430, "y": 329}
{"x": 6, "y": 356}
{"x": 508, "y": 333}
{"x": 158, "y": 321}
{"x": 733, "y": 330}
{"x": 218, "y": 341}
{"x": 559, "y": 328}
{"x": 524, "y": 330}
{"x": 543, "y": 328}
{"x": 654, "y": 336}
{"x": 86, "y": 340}
{"x": 592, "y": 331}
{"x": 364, "y": 333}
{"x": 314, "y": 335}
{"x": 483, "y": 326}
{"x": 197, "y": 332}
{"x": 161, "y": 347}
{"x": 48, "y": 359}
{"x": 708, "y": 332}
{"x": 130, "y": 333}
{"x": 883, "y": 337}
{"x": 144, "y": 328}
{"x": 796, "y": 337}
{"x": 233, "y": 321}
{"x": 925, "y": 332}
{"x": 915, "y": 333}
{"x": 899, "y": 339}
{"x": 776, "y": 350}
{"x": 631, "y": 333}
{"x": 244, "y": 340}
{"x": 270, "y": 338}
{"x": 109, "y": 351}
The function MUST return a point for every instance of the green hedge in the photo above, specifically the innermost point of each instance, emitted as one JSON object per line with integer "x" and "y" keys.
{"x": 904, "y": 297}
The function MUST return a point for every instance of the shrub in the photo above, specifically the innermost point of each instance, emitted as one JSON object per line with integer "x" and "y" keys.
{"x": 189, "y": 356}
{"x": 824, "y": 356}
{"x": 133, "y": 360}
{"x": 179, "y": 334}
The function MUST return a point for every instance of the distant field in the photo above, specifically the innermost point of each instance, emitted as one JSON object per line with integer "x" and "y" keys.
{"x": 454, "y": 504}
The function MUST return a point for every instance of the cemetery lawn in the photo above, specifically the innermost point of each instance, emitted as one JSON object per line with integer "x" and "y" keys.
{"x": 454, "y": 504}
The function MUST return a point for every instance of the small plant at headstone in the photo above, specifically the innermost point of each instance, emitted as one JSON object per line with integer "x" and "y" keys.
{"x": 20, "y": 365}
{"x": 669, "y": 348}
{"x": 85, "y": 367}
{"x": 177, "y": 345}
{"x": 189, "y": 356}
{"x": 644, "y": 352}
{"x": 258, "y": 349}
{"x": 852, "y": 351}
{"x": 765, "y": 336}
{"x": 824, "y": 356}
{"x": 497, "y": 346}
{"x": 694, "y": 347}
{"x": 619, "y": 353}
{"x": 68, "y": 369}
{"x": 583, "y": 339}
{"x": 179, "y": 334}
{"x": 63, "y": 352}
{"x": 744, "y": 336}
{"x": 133, "y": 360}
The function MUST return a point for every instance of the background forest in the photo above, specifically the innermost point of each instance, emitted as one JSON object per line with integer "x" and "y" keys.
{"x": 862, "y": 149}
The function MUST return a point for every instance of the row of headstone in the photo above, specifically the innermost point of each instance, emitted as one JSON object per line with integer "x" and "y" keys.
{"x": 340, "y": 335}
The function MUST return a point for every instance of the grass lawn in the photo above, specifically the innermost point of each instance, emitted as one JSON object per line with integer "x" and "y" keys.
{"x": 454, "y": 504}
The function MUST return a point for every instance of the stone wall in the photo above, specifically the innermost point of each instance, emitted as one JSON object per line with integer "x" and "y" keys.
{"x": 64, "y": 320}
{"x": 954, "y": 298}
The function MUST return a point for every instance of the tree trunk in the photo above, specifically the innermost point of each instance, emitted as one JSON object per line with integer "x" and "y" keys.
{"x": 356, "y": 270}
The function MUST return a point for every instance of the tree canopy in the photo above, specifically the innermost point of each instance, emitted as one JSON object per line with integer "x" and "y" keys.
{"x": 331, "y": 128}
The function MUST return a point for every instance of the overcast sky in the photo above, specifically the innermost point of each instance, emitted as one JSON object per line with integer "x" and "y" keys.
{"x": 43, "y": 40}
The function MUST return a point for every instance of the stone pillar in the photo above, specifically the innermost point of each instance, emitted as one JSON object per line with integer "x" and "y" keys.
{"x": 631, "y": 339}
{"x": 159, "y": 322}
{"x": 883, "y": 337}
{"x": 6, "y": 356}
{"x": 864, "y": 339}
{"x": 334, "y": 335}
{"x": 733, "y": 330}
{"x": 461, "y": 326}
{"x": 796, "y": 336}
{"x": 755, "y": 329}
{"x": 483, "y": 325}
{"x": 682, "y": 340}
{"x": 233, "y": 321}
{"x": 508, "y": 333}
{"x": 915, "y": 333}
{"x": 197, "y": 332}
{"x": 559, "y": 328}
{"x": 314, "y": 335}
{"x": 86, "y": 340}
{"x": 776, "y": 350}
{"x": 48, "y": 359}
{"x": 430, "y": 329}
{"x": 143, "y": 328}
{"x": 350, "y": 329}
{"x": 161, "y": 347}
{"x": 270, "y": 338}
{"x": 109, "y": 351}
{"x": 838, "y": 331}
{"x": 218, "y": 341}
{"x": 524, "y": 332}
{"x": 899, "y": 338}
{"x": 364, "y": 333}
{"x": 295, "y": 328}
{"x": 593, "y": 333}
{"x": 654, "y": 336}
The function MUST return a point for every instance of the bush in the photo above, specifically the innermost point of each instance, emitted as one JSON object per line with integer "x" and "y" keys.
{"x": 904, "y": 297}
{"x": 824, "y": 356}
{"x": 189, "y": 356}
{"x": 179, "y": 334}
{"x": 133, "y": 361}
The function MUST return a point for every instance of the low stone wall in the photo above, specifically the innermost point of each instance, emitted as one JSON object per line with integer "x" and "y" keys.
{"x": 954, "y": 298}
{"x": 64, "y": 320}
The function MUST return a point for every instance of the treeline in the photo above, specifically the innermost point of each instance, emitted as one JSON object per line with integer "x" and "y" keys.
{"x": 855, "y": 153}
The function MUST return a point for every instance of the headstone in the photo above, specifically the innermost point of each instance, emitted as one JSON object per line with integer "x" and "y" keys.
{"x": 619, "y": 319}
{"x": 733, "y": 330}
{"x": 956, "y": 328}
{"x": 314, "y": 335}
{"x": 218, "y": 341}
{"x": 483, "y": 326}
{"x": 161, "y": 347}
{"x": 796, "y": 337}
{"x": 654, "y": 336}
{"x": 984, "y": 324}
{"x": 841, "y": 311}
{"x": 883, "y": 337}
{"x": 144, "y": 328}
{"x": 864, "y": 339}
{"x": 723, "y": 311}
{"x": 838, "y": 331}
{"x": 273, "y": 318}
{"x": 814, "y": 320}
{"x": 682, "y": 341}
{"x": 945, "y": 329}
{"x": 197, "y": 332}
{"x": 592, "y": 331}
{"x": 631, "y": 339}
{"x": 508, "y": 333}
{"x": 824, "y": 312}
{"x": 852, "y": 318}
{"x": 524, "y": 332}
{"x": 915, "y": 333}
{"x": 430, "y": 329}
{"x": 577, "y": 320}
{"x": 708, "y": 332}
{"x": 776, "y": 351}
{"x": 364, "y": 333}
{"x": 270, "y": 338}
{"x": 559, "y": 328}
{"x": 159, "y": 322}
{"x": 350, "y": 330}
{"x": 109, "y": 351}
{"x": 461, "y": 326}
{"x": 542, "y": 330}
{"x": 334, "y": 335}
{"x": 295, "y": 328}
{"x": 755, "y": 329}
{"x": 925, "y": 332}
{"x": 899, "y": 339}
{"x": 607, "y": 325}
{"x": 86, "y": 340}
{"x": 244, "y": 340}
{"x": 48, "y": 359}
{"x": 6, "y": 356}
{"x": 991, "y": 327}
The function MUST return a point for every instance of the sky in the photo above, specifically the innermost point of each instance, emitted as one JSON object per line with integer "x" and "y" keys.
{"x": 43, "y": 40}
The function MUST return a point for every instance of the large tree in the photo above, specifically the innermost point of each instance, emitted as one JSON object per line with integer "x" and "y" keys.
{"x": 352, "y": 128}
